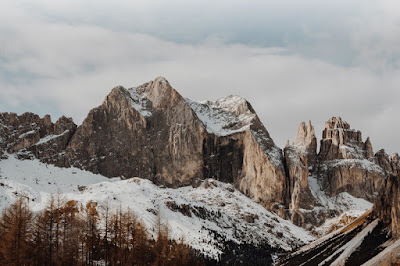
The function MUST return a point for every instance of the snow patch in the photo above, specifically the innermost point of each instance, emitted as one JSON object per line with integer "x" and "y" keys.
{"x": 139, "y": 102}
{"x": 360, "y": 163}
{"x": 50, "y": 137}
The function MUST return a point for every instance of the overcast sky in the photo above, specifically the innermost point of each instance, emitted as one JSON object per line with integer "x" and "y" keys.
{"x": 293, "y": 60}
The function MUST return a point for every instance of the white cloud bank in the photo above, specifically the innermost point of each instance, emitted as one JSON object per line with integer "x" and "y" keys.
{"x": 54, "y": 67}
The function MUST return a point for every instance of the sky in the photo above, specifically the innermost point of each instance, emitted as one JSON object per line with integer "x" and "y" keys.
{"x": 293, "y": 61}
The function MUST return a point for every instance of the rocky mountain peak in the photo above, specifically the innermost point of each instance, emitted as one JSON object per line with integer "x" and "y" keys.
{"x": 160, "y": 93}
{"x": 369, "y": 152}
{"x": 339, "y": 141}
{"x": 339, "y": 132}
{"x": 306, "y": 141}
{"x": 336, "y": 122}
{"x": 234, "y": 104}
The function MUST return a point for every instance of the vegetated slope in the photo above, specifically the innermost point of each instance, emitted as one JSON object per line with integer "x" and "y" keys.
{"x": 209, "y": 218}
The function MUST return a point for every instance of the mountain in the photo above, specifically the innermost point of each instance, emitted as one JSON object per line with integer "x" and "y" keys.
{"x": 210, "y": 165}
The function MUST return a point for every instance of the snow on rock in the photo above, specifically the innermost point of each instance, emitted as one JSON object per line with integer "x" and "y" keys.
{"x": 50, "y": 137}
{"x": 225, "y": 116}
{"x": 202, "y": 216}
{"x": 138, "y": 100}
{"x": 360, "y": 163}
{"x": 344, "y": 203}
{"x": 233, "y": 114}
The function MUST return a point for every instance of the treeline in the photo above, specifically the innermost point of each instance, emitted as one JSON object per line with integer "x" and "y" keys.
{"x": 69, "y": 233}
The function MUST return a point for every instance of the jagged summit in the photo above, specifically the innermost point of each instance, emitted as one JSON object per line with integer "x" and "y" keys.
{"x": 339, "y": 141}
{"x": 151, "y": 131}
{"x": 306, "y": 141}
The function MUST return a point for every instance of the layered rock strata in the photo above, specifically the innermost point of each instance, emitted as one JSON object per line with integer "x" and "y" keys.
{"x": 346, "y": 163}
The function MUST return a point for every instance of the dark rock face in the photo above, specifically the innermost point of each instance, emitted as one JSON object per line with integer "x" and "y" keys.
{"x": 389, "y": 163}
{"x": 300, "y": 194}
{"x": 29, "y": 134}
{"x": 387, "y": 204}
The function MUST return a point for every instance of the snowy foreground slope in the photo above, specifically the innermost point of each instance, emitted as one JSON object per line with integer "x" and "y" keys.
{"x": 205, "y": 216}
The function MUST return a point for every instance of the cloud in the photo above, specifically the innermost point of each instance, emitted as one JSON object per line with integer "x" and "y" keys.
{"x": 51, "y": 66}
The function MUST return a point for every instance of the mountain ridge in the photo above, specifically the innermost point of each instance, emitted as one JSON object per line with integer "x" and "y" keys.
{"x": 151, "y": 131}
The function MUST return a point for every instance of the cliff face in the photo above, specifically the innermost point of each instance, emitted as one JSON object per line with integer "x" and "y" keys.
{"x": 346, "y": 162}
{"x": 240, "y": 150}
{"x": 29, "y": 135}
{"x": 299, "y": 158}
{"x": 387, "y": 204}
{"x": 148, "y": 132}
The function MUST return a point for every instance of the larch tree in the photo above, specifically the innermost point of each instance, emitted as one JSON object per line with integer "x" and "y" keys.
{"x": 16, "y": 231}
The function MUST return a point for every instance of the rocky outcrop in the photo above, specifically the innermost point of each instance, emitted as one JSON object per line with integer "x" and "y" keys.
{"x": 306, "y": 141}
{"x": 389, "y": 163}
{"x": 387, "y": 204}
{"x": 346, "y": 163}
{"x": 29, "y": 135}
{"x": 240, "y": 150}
{"x": 339, "y": 141}
{"x": 300, "y": 194}
{"x": 299, "y": 157}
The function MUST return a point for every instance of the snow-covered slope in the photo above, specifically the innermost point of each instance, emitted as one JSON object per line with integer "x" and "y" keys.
{"x": 205, "y": 216}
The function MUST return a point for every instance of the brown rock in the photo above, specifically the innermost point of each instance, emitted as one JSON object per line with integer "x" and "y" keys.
{"x": 390, "y": 164}
{"x": 387, "y": 204}
{"x": 149, "y": 132}
{"x": 300, "y": 194}
{"x": 340, "y": 142}
{"x": 346, "y": 163}
{"x": 369, "y": 152}
{"x": 306, "y": 141}
{"x": 152, "y": 132}
{"x": 22, "y": 133}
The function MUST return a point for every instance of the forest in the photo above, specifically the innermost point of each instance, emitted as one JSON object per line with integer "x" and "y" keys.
{"x": 67, "y": 232}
